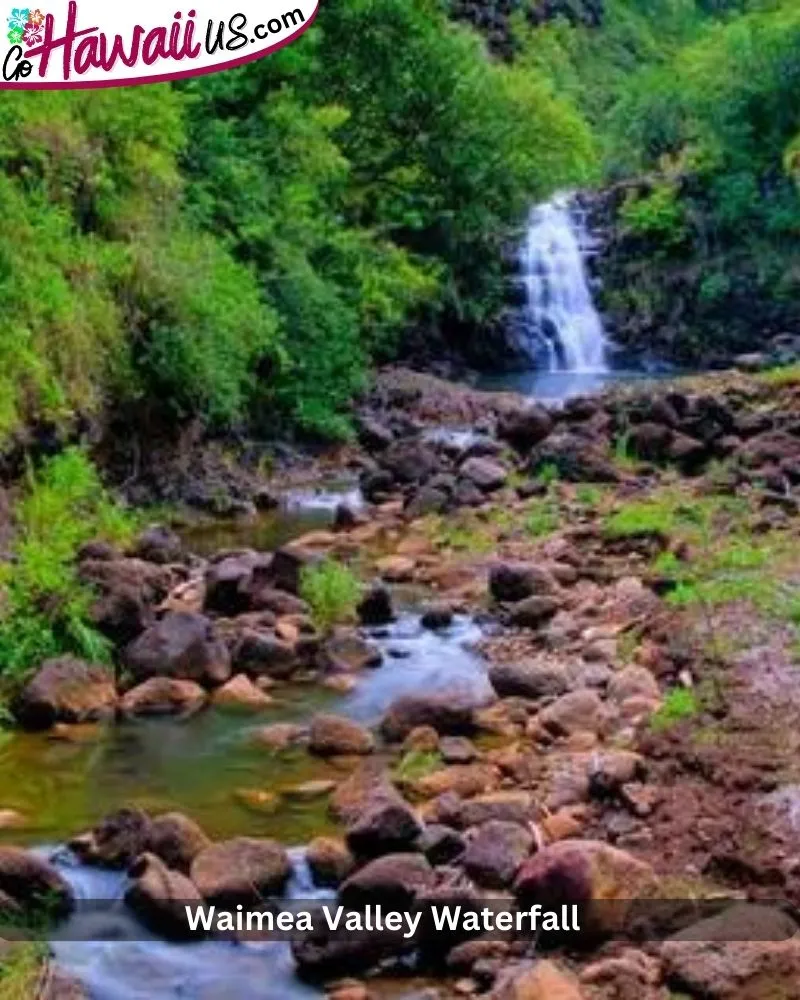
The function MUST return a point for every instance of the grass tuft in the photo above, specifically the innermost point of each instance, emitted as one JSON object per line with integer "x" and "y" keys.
{"x": 332, "y": 591}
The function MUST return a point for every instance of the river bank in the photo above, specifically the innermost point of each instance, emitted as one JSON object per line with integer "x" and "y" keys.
{"x": 571, "y": 667}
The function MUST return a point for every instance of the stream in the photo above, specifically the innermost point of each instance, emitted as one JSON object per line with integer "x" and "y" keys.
{"x": 210, "y": 766}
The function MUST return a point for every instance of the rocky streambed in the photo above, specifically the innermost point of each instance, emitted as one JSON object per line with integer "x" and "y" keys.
{"x": 522, "y": 710}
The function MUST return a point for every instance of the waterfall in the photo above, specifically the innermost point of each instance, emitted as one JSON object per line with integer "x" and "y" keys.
{"x": 559, "y": 315}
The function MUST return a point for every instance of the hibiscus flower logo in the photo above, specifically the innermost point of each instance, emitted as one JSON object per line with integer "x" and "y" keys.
{"x": 36, "y": 17}
{"x": 18, "y": 19}
{"x": 32, "y": 34}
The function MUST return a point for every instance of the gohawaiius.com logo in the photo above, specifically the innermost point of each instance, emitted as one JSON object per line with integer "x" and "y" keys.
{"x": 85, "y": 44}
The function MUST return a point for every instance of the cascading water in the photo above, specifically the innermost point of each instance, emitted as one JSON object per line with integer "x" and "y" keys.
{"x": 560, "y": 319}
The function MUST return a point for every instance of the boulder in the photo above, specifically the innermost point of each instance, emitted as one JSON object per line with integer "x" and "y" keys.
{"x": 163, "y": 696}
{"x": 346, "y": 651}
{"x": 734, "y": 970}
{"x": 441, "y": 844}
{"x": 539, "y": 678}
{"x": 525, "y": 428}
{"x": 610, "y": 770}
{"x": 242, "y": 694}
{"x": 375, "y": 607}
{"x": 457, "y": 750}
{"x": 495, "y": 851}
{"x": 515, "y": 581}
{"x": 633, "y": 682}
{"x": 373, "y": 435}
{"x": 159, "y": 897}
{"x": 116, "y": 841}
{"x": 437, "y": 615}
{"x": 227, "y": 582}
{"x": 465, "y": 780}
{"x": 535, "y": 611}
{"x": 278, "y": 736}
{"x": 386, "y": 827}
{"x": 128, "y": 590}
{"x": 447, "y": 714}
{"x": 177, "y": 840}
{"x": 329, "y": 861}
{"x": 183, "y": 646}
{"x": 242, "y": 870}
{"x": 394, "y": 880}
{"x": 263, "y": 654}
{"x": 515, "y": 806}
{"x": 579, "y": 458}
{"x": 288, "y": 564}
{"x": 332, "y": 735}
{"x": 367, "y": 785}
{"x": 33, "y": 884}
{"x": 487, "y": 474}
{"x": 542, "y": 980}
{"x": 410, "y": 461}
{"x": 582, "y": 872}
{"x": 580, "y": 710}
{"x": 66, "y": 690}
{"x": 426, "y": 500}
{"x": 650, "y": 441}
{"x": 158, "y": 544}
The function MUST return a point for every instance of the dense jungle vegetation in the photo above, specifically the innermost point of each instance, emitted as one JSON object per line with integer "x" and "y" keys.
{"x": 243, "y": 247}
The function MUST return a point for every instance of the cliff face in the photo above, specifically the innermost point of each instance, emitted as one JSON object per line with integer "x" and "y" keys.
{"x": 493, "y": 17}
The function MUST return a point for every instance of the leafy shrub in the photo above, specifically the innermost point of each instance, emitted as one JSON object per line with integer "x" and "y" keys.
{"x": 45, "y": 607}
{"x": 679, "y": 703}
{"x": 332, "y": 590}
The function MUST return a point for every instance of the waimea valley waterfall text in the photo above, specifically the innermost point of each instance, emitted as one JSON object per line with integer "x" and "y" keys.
{"x": 340, "y": 919}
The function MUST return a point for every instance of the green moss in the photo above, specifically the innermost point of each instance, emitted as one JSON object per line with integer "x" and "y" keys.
{"x": 679, "y": 704}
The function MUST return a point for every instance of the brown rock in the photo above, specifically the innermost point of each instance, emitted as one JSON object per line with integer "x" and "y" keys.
{"x": 163, "y": 696}
{"x": 242, "y": 870}
{"x": 66, "y": 690}
{"x": 329, "y": 860}
{"x": 279, "y": 735}
{"x": 577, "y": 710}
{"x": 385, "y": 828}
{"x": 514, "y": 582}
{"x": 177, "y": 840}
{"x": 448, "y": 715}
{"x": 33, "y": 883}
{"x": 396, "y": 569}
{"x": 465, "y": 780}
{"x": 180, "y": 646}
{"x": 159, "y": 896}
{"x": 241, "y": 693}
{"x": 543, "y": 980}
{"x": 332, "y": 735}
{"x": 393, "y": 880}
{"x": 495, "y": 851}
{"x": 116, "y": 841}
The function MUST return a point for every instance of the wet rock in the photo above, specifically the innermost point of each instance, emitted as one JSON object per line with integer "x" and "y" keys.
{"x": 487, "y": 474}
{"x": 263, "y": 654}
{"x": 539, "y": 678}
{"x": 448, "y": 715}
{"x": 394, "y": 880}
{"x": 278, "y": 736}
{"x": 329, "y": 861}
{"x": 163, "y": 696}
{"x": 181, "y": 646}
{"x": 375, "y": 607}
{"x": 525, "y": 428}
{"x": 572, "y": 712}
{"x": 158, "y": 544}
{"x": 177, "y": 840}
{"x": 264, "y": 597}
{"x": 33, "y": 884}
{"x": 320, "y": 957}
{"x": 385, "y": 828}
{"x": 332, "y": 735}
{"x": 437, "y": 615}
{"x": 159, "y": 897}
{"x": 495, "y": 851}
{"x": 242, "y": 694}
{"x": 115, "y": 841}
{"x": 346, "y": 651}
{"x": 242, "y": 870}
{"x": 441, "y": 844}
{"x": 514, "y": 582}
{"x": 66, "y": 690}
{"x": 535, "y": 611}
{"x": 580, "y": 871}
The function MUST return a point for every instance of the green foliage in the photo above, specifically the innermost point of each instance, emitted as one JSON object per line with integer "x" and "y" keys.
{"x": 332, "y": 590}
{"x": 45, "y": 607}
{"x": 542, "y": 518}
{"x": 658, "y": 214}
{"x": 679, "y": 704}
{"x": 21, "y": 970}
{"x": 416, "y": 764}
